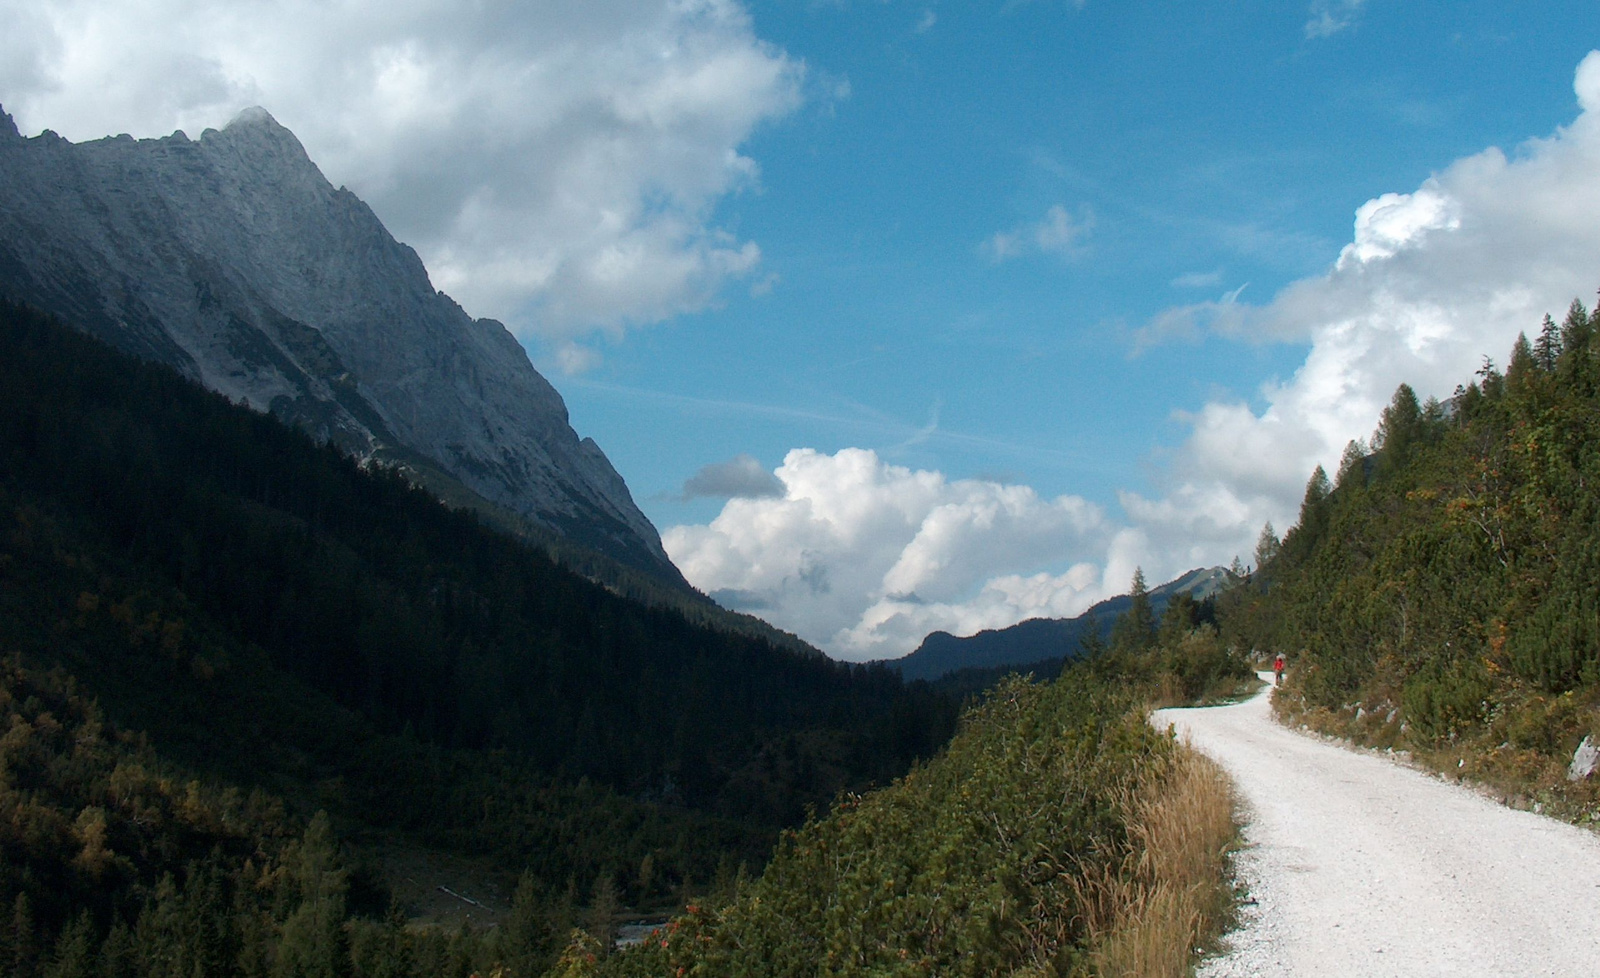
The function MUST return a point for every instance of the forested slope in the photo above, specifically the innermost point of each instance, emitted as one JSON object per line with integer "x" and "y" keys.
{"x": 252, "y": 613}
{"x": 1442, "y": 591}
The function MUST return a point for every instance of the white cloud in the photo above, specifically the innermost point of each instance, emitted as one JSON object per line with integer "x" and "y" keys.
{"x": 865, "y": 558}
{"x": 1329, "y": 17}
{"x": 1058, "y": 232}
{"x": 1431, "y": 282}
{"x": 556, "y": 165}
{"x": 1221, "y": 315}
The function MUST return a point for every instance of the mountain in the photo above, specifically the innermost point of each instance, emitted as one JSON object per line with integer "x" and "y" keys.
{"x": 232, "y": 260}
{"x": 1040, "y": 640}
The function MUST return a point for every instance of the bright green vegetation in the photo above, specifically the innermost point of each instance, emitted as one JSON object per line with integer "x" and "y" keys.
{"x": 1440, "y": 593}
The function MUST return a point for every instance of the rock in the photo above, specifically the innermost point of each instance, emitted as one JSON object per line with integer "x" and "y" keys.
{"x": 232, "y": 259}
{"x": 1584, "y": 760}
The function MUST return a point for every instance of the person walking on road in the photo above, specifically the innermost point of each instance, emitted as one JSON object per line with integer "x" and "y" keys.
{"x": 1277, "y": 670}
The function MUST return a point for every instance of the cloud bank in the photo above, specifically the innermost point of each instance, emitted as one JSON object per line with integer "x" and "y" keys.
{"x": 557, "y": 165}
{"x": 864, "y": 558}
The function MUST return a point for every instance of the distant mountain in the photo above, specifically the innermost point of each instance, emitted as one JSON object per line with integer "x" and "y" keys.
{"x": 1040, "y": 639}
{"x": 232, "y": 259}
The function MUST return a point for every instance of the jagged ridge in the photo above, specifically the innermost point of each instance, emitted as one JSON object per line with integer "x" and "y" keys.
{"x": 232, "y": 259}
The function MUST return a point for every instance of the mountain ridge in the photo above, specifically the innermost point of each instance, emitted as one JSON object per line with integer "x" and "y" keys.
{"x": 1039, "y": 640}
{"x": 232, "y": 259}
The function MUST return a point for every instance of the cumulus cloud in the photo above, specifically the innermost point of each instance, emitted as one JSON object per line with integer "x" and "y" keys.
{"x": 864, "y": 558}
{"x": 556, "y": 165}
{"x": 1058, "y": 232}
{"x": 1431, "y": 282}
{"x": 1329, "y": 17}
{"x": 741, "y": 477}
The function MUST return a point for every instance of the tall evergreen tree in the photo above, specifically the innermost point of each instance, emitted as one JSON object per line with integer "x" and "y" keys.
{"x": 1135, "y": 631}
{"x": 1547, "y": 348}
{"x": 1400, "y": 426}
{"x": 1267, "y": 546}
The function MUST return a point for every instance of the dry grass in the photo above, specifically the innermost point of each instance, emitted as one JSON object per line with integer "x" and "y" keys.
{"x": 1171, "y": 893}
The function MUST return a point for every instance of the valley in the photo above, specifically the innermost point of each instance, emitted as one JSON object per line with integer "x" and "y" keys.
{"x": 330, "y": 649}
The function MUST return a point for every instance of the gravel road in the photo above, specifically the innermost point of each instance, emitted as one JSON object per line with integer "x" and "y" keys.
{"x": 1360, "y": 866}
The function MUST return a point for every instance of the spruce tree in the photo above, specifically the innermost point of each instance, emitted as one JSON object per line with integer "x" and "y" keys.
{"x": 1547, "y": 348}
{"x": 1135, "y": 631}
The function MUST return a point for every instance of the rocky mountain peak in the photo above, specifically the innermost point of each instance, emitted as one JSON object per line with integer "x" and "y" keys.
{"x": 233, "y": 259}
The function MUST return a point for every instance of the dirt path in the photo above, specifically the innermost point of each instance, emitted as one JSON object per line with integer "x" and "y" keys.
{"x": 1359, "y": 866}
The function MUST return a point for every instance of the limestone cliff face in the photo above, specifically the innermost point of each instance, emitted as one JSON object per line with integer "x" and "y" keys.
{"x": 233, "y": 259}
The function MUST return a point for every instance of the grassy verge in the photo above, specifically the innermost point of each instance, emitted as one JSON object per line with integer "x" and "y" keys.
{"x": 1171, "y": 898}
{"x": 1514, "y": 741}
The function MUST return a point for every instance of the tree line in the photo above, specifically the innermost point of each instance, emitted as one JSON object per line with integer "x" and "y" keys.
{"x": 1438, "y": 592}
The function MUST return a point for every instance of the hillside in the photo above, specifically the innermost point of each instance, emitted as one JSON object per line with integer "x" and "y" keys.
{"x": 262, "y": 616}
{"x": 1438, "y": 594}
{"x": 1058, "y": 834}
{"x": 1041, "y": 644}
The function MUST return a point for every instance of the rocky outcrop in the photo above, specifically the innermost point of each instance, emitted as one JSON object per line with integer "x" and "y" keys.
{"x": 232, "y": 259}
{"x": 1584, "y": 760}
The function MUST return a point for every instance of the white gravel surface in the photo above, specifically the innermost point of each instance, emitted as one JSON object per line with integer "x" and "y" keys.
{"x": 1359, "y": 866}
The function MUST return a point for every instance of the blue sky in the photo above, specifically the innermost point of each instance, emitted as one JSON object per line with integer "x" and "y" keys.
{"x": 901, "y": 316}
{"x": 1212, "y": 141}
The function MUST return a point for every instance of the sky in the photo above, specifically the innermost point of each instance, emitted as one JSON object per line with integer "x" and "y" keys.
{"x": 903, "y": 316}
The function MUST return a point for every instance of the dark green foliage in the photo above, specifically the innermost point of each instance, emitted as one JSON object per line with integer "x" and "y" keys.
{"x": 1135, "y": 630}
{"x": 291, "y": 632}
{"x": 966, "y": 866}
{"x": 205, "y": 531}
{"x": 1447, "y": 697}
{"x": 1448, "y": 583}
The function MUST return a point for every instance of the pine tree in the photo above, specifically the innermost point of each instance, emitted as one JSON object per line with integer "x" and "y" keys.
{"x": 1547, "y": 348}
{"x": 1352, "y": 466}
{"x": 1400, "y": 426}
{"x": 1135, "y": 631}
{"x": 604, "y": 907}
{"x": 526, "y": 939}
{"x": 21, "y": 946}
{"x": 1267, "y": 546}
{"x": 74, "y": 955}
{"x": 119, "y": 955}
{"x": 313, "y": 943}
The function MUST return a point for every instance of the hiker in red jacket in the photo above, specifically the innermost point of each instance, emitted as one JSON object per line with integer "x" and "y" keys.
{"x": 1277, "y": 670}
